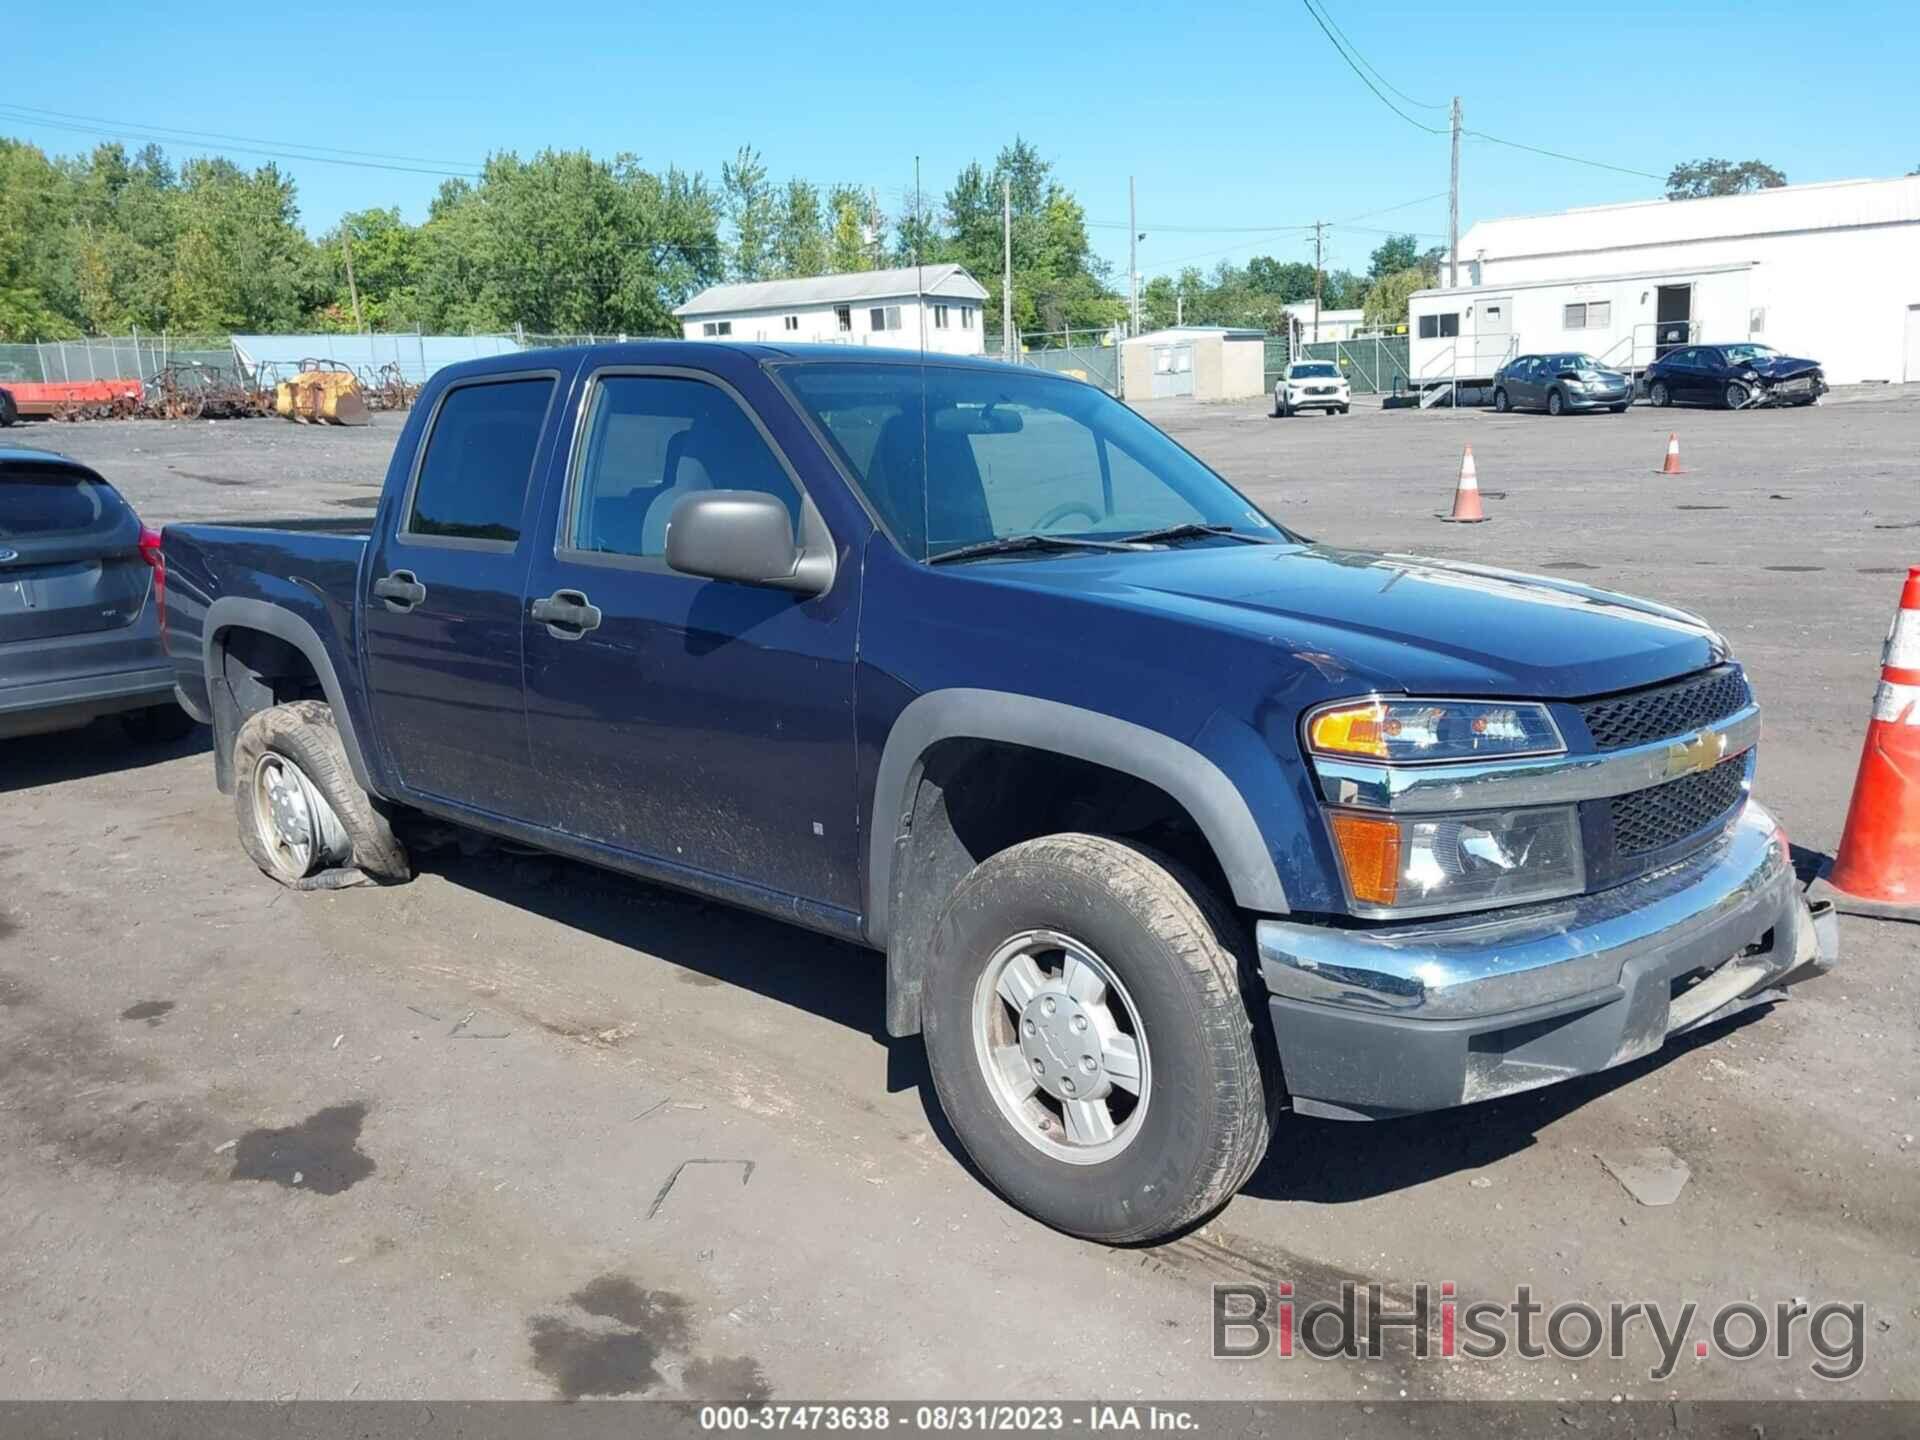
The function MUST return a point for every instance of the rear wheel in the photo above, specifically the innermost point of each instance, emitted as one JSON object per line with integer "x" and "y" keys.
{"x": 1089, "y": 1041}
{"x": 304, "y": 820}
{"x": 1658, "y": 393}
{"x": 1345, "y": 408}
{"x": 1501, "y": 401}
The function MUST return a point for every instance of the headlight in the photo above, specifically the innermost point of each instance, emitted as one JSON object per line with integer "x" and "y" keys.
{"x": 1400, "y": 731}
{"x": 1421, "y": 865}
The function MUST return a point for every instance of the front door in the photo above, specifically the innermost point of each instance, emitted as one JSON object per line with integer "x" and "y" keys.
{"x": 701, "y": 725}
{"x": 443, "y": 603}
{"x": 1492, "y": 333}
{"x": 1672, "y": 318}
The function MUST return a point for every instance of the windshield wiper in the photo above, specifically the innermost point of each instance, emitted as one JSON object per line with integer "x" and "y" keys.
{"x": 1193, "y": 530}
{"x": 1014, "y": 544}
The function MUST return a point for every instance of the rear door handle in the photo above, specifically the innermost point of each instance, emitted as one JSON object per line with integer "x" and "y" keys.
{"x": 401, "y": 590}
{"x": 567, "y": 614}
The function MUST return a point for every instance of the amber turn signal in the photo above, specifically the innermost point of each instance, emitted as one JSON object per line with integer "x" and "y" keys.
{"x": 1350, "y": 730}
{"x": 1370, "y": 853}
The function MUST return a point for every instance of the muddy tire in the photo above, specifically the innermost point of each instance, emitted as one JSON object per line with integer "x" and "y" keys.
{"x": 304, "y": 820}
{"x": 157, "y": 724}
{"x": 1090, "y": 1040}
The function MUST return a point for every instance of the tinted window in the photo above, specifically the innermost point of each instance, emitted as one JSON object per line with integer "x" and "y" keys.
{"x": 652, "y": 441}
{"x": 951, "y": 456}
{"x": 473, "y": 479}
{"x": 54, "y": 500}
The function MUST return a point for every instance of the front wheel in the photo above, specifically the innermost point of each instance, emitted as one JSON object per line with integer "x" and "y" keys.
{"x": 9, "y": 412}
{"x": 1736, "y": 395}
{"x": 1089, "y": 1041}
{"x": 1345, "y": 408}
{"x": 304, "y": 820}
{"x": 1556, "y": 403}
{"x": 1618, "y": 409}
{"x": 1658, "y": 393}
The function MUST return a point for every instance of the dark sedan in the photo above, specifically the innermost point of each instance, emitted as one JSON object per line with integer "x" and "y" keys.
{"x": 1735, "y": 376}
{"x": 80, "y": 597}
{"x": 1560, "y": 383}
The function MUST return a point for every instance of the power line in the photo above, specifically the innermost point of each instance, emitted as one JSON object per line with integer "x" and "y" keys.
{"x": 1364, "y": 79}
{"x": 1355, "y": 61}
{"x": 1556, "y": 155}
{"x": 1422, "y": 104}
{"x": 276, "y": 150}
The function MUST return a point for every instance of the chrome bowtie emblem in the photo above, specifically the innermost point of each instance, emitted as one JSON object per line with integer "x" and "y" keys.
{"x": 1697, "y": 752}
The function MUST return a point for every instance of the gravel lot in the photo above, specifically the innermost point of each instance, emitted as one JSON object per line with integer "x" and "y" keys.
{"x": 521, "y": 1129}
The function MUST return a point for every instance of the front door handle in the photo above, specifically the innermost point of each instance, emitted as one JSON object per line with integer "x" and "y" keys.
{"x": 401, "y": 590}
{"x": 567, "y": 614}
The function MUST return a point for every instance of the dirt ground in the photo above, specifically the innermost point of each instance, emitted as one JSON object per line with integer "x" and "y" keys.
{"x": 521, "y": 1129}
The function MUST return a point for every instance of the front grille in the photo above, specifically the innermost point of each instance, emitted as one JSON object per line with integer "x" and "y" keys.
{"x": 1664, "y": 711}
{"x": 1649, "y": 820}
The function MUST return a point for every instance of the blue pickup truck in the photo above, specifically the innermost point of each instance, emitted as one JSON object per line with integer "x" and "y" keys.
{"x": 1166, "y": 819}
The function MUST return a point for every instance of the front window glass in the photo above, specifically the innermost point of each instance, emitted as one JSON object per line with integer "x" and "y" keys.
{"x": 1747, "y": 354}
{"x": 951, "y": 456}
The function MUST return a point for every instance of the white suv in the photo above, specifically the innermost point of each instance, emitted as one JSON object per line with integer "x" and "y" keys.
{"x": 1312, "y": 385}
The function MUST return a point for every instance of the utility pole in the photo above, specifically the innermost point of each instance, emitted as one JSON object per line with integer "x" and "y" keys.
{"x": 1179, "y": 310}
{"x": 1453, "y": 205}
{"x": 353, "y": 291}
{"x": 1319, "y": 236}
{"x": 1006, "y": 275}
{"x": 1133, "y": 264}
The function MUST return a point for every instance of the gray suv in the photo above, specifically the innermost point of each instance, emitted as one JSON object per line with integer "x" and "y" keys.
{"x": 1559, "y": 383}
{"x": 81, "y": 587}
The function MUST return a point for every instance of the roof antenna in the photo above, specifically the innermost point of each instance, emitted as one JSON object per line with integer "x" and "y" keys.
{"x": 920, "y": 321}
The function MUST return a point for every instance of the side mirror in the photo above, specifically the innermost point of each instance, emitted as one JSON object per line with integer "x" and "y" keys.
{"x": 745, "y": 536}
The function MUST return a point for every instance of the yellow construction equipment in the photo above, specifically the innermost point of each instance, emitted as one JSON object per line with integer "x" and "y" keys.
{"x": 321, "y": 394}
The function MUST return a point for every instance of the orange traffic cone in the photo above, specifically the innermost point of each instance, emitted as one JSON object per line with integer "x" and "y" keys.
{"x": 1466, "y": 495}
{"x": 1877, "y": 871}
{"x": 1671, "y": 465}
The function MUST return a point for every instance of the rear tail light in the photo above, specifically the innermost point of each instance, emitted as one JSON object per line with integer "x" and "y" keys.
{"x": 156, "y": 561}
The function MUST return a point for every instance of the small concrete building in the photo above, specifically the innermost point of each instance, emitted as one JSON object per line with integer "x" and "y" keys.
{"x": 937, "y": 304}
{"x": 1829, "y": 271}
{"x": 1205, "y": 362}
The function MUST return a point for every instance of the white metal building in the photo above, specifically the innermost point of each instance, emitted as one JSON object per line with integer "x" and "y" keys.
{"x": 867, "y": 307}
{"x": 1830, "y": 271}
{"x": 1333, "y": 324}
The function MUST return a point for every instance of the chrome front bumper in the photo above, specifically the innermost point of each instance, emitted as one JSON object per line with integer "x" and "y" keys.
{"x": 1383, "y": 1021}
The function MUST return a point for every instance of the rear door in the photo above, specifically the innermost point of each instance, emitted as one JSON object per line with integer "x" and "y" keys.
{"x": 441, "y": 605}
{"x": 70, "y": 571}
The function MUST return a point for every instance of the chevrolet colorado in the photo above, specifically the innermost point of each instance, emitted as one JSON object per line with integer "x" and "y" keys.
{"x": 1166, "y": 819}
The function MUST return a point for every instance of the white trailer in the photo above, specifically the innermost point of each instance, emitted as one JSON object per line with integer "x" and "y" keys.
{"x": 1461, "y": 336}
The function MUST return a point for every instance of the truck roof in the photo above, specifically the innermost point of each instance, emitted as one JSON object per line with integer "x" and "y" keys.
{"x": 705, "y": 354}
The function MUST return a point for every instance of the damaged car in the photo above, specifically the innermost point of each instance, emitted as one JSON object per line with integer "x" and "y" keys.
{"x": 1738, "y": 377}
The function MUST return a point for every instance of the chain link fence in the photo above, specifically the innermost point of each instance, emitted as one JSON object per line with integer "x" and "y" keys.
{"x": 110, "y": 357}
{"x": 1377, "y": 365}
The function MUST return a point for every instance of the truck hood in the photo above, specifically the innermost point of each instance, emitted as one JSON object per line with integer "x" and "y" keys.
{"x": 1398, "y": 622}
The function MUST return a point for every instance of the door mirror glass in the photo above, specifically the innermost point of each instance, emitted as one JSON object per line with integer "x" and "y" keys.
{"x": 740, "y": 535}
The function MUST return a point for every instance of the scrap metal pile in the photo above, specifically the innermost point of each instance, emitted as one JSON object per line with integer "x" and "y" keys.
{"x": 322, "y": 392}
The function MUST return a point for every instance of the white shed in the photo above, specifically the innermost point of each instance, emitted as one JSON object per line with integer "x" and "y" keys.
{"x": 1830, "y": 271}
{"x": 940, "y": 303}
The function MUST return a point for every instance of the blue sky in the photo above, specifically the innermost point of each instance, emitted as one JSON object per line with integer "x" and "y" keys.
{"x": 1237, "y": 120}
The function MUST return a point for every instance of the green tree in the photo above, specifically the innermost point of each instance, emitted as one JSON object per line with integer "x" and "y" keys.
{"x": 36, "y": 207}
{"x": 1697, "y": 179}
{"x": 800, "y": 242}
{"x": 1386, "y": 300}
{"x": 856, "y": 231}
{"x": 753, "y": 212}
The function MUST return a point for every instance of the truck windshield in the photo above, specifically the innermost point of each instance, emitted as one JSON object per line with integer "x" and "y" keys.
{"x": 950, "y": 456}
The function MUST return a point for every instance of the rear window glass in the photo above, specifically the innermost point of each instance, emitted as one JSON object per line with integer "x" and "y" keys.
{"x": 473, "y": 479}
{"x": 53, "y": 500}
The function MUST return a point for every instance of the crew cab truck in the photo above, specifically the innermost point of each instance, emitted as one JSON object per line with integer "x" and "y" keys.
{"x": 1166, "y": 819}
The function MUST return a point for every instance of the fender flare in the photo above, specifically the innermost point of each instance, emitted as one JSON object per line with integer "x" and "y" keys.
{"x": 238, "y": 613}
{"x": 1213, "y": 800}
